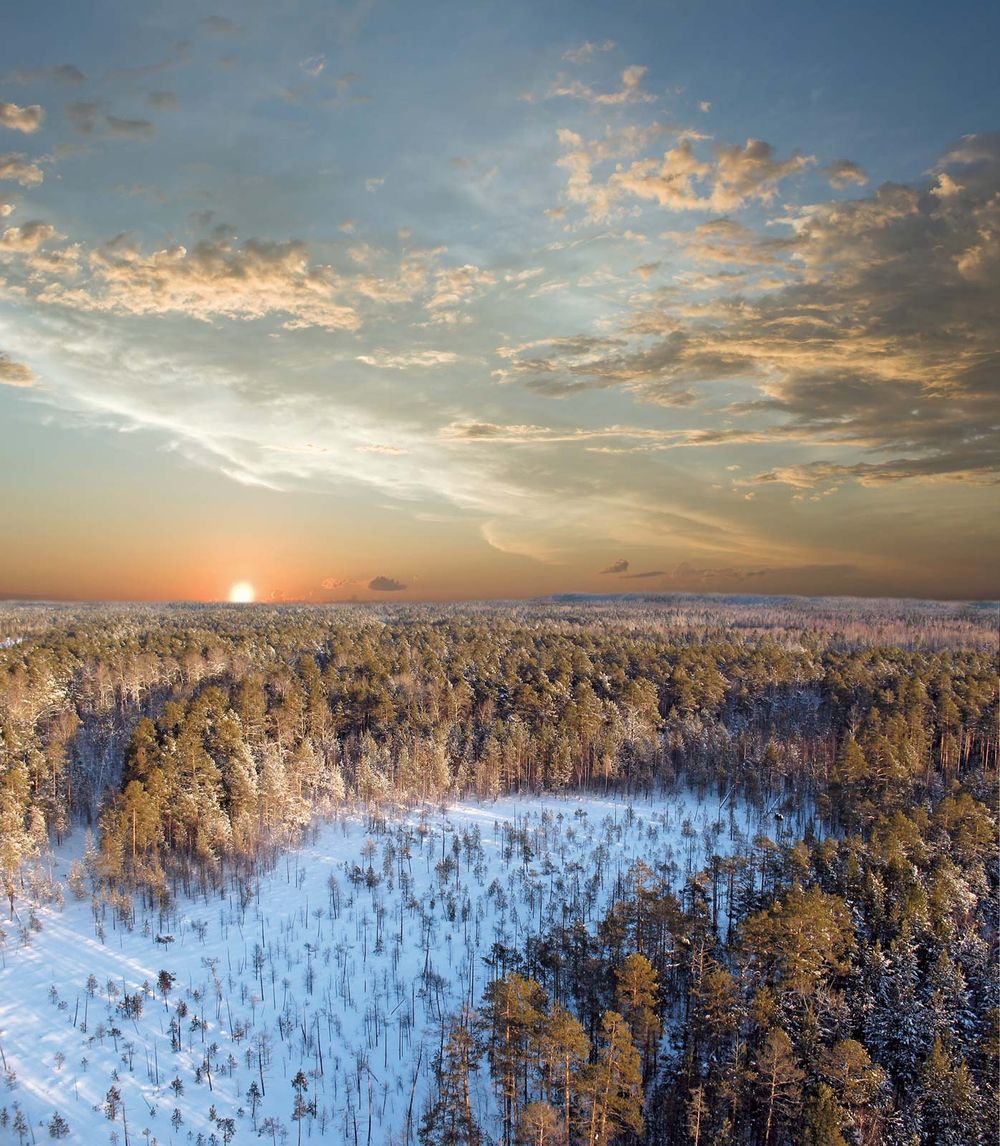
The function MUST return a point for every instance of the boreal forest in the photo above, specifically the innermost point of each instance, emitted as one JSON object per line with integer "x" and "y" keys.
{"x": 574, "y": 872}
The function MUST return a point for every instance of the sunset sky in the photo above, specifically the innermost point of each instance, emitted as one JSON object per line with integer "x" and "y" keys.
{"x": 452, "y": 300}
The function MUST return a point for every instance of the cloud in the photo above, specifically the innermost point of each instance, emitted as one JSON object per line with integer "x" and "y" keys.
{"x": 724, "y": 240}
{"x": 69, "y": 74}
{"x": 84, "y": 115}
{"x": 214, "y": 279}
{"x": 885, "y": 344}
{"x": 681, "y": 179}
{"x": 18, "y": 169}
{"x": 662, "y": 373}
{"x": 529, "y": 434}
{"x": 129, "y": 128}
{"x": 751, "y": 172}
{"x": 24, "y": 119}
{"x": 845, "y": 173}
{"x": 15, "y": 373}
{"x": 6, "y": 209}
{"x": 620, "y": 566}
{"x": 579, "y": 157}
{"x": 683, "y": 182}
{"x": 220, "y": 277}
{"x": 313, "y": 66}
{"x": 584, "y": 52}
{"x": 629, "y": 92}
{"x": 453, "y": 285}
{"x": 62, "y": 73}
{"x": 381, "y": 448}
{"x": 386, "y": 360}
{"x": 386, "y": 585}
{"x": 27, "y": 237}
{"x": 336, "y": 582}
{"x": 89, "y": 118}
{"x": 647, "y": 575}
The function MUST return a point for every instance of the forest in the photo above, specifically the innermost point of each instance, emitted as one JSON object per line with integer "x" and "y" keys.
{"x": 706, "y": 869}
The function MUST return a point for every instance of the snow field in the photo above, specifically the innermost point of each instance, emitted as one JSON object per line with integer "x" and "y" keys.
{"x": 340, "y": 962}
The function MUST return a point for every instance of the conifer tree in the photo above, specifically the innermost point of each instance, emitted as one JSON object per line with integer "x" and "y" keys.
{"x": 638, "y": 994}
{"x": 612, "y": 1088}
{"x": 564, "y": 1049}
{"x": 513, "y": 1015}
{"x": 449, "y": 1119}
{"x": 779, "y": 1081}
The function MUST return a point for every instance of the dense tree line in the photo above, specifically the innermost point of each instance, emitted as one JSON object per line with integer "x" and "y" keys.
{"x": 213, "y": 734}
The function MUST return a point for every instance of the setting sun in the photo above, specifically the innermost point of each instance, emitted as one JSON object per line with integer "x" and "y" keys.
{"x": 241, "y": 593}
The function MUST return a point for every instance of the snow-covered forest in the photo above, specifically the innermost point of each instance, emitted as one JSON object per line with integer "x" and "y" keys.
{"x": 676, "y": 871}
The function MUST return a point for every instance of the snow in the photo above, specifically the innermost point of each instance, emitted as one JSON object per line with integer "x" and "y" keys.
{"x": 351, "y": 987}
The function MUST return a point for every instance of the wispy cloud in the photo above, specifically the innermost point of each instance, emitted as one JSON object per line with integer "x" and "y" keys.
{"x": 89, "y": 118}
{"x": 386, "y": 360}
{"x": 585, "y": 52}
{"x": 629, "y": 92}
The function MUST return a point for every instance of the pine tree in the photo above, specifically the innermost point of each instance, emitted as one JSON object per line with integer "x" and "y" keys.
{"x": 20, "y": 1125}
{"x": 58, "y": 1126}
{"x": 15, "y": 840}
{"x": 300, "y": 1107}
{"x": 896, "y": 1026}
{"x": 638, "y": 995}
{"x": 612, "y": 1089}
{"x": 513, "y": 1013}
{"x": 951, "y": 1106}
{"x": 779, "y": 1080}
{"x": 564, "y": 1050}
{"x": 112, "y": 1103}
{"x": 254, "y": 1097}
{"x": 697, "y": 1114}
{"x": 858, "y": 1084}
{"x": 824, "y": 1119}
{"x": 539, "y": 1125}
{"x": 449, "y": 1120}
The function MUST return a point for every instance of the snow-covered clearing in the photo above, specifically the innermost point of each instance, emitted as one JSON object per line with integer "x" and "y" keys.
{"x": 339, "y": 962}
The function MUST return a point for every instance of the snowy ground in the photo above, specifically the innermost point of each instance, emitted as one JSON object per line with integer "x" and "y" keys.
{"x": 344, "y": 979}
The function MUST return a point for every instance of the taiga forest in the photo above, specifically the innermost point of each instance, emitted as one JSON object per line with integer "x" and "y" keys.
{"x": 574, "y": 872}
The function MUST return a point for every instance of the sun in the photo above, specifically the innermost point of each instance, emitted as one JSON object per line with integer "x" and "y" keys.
{"x": 241, "y": 593}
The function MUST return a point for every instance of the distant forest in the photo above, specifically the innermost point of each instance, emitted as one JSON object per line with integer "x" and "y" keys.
{"x": 834, "y": 984}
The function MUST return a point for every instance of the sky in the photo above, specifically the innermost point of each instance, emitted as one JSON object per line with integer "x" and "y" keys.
{"x": 447, "y": 300}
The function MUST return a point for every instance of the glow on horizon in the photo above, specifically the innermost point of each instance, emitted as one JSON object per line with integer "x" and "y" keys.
{"x": 242, "y": 593}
